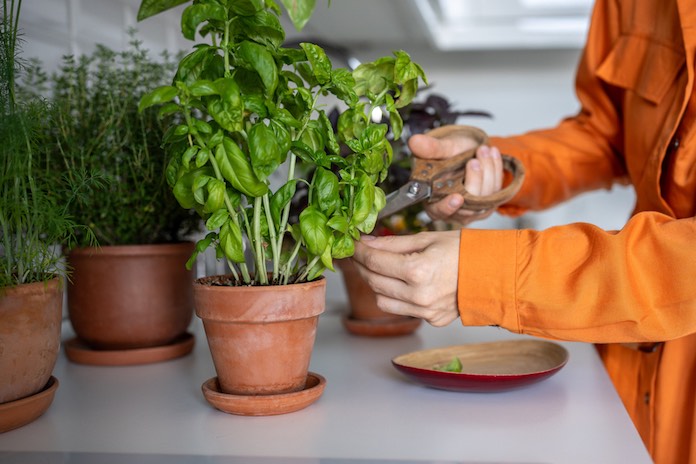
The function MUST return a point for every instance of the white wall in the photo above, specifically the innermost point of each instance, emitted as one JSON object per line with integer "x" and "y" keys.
{"x": 523, "y": 89}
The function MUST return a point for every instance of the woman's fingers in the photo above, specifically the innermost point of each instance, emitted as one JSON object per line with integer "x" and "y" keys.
{"x": 427, "y": 147}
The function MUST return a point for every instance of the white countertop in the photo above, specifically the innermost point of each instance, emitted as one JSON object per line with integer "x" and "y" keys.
{"x": 369, "y": 412}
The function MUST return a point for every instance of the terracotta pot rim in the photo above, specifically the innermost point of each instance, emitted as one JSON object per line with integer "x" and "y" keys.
{"x": 259, "y": 303}
{"x": 50, "y": 285}
{"x": 129, "y": 250}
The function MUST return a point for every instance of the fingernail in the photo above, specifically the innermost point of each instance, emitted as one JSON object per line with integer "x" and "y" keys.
{"x": 483, "y": 152}
{"x": 367, "y": 238}
{"x": 475, "y": 164}
{"x": 495, "y": 153}
{"x": 455, "y": 202}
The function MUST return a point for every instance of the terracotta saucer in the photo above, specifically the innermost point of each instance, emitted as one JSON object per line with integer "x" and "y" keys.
{"x": 25, "y": 410}
{"x": 391, "y": 327}
{"x": 264, "y": 405}
{"x": 79, "y": 352}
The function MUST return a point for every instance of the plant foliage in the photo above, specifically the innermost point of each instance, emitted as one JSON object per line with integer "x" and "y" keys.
{"x": 247, "y": 106}
{"x": 98, "y": 129}
{"x": 34, "y": 220}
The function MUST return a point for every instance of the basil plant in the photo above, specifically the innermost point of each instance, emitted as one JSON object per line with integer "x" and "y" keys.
{"x": 244, "y": 106}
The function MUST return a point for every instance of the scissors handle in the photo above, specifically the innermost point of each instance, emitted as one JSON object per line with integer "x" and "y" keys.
{"x": 447, "y": 176}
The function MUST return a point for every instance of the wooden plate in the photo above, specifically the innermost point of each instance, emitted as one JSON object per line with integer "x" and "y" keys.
{"x": 486, "y": 367}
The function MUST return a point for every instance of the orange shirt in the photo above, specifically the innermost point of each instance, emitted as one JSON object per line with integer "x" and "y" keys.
{"x": 636, "y": 125}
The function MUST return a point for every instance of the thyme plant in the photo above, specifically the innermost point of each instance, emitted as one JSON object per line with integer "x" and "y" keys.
{"x": 246, "y": 106}
{"x": 98, "y": 129}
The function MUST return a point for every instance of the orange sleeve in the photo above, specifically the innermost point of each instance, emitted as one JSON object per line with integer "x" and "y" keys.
{"x": 578, "y": 282}
{"x": 583, "y": 152}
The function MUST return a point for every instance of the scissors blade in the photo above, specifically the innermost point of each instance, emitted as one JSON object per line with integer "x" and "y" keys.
{"x": 409, "y": 194}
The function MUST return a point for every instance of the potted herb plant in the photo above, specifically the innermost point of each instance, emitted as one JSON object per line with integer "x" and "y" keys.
{"x": 246, "y": 108}
{"x": 129, "y": 299}
{"x": 364, "y": 317}
{"x": 32, "y": 223}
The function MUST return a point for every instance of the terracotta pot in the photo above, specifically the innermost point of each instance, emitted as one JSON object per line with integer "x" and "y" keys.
{"x": 135, "y": 296}
{"x": 361, "y": 298}
{"x": 30, "y": 318}
{"x": 260, "y": 337}
{"x": 364, "y": 316}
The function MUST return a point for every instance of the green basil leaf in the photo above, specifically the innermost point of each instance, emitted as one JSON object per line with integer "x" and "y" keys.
{"x": 203, "y": 87}
{"x": 159, "y": 95}
{"x": 217, "y": 219}
{"x": 302, "y": 151}
{"x": 321, "y": 65}
{"x": 282, "y": 115}
{"x": 201, "y": 246}
{"x": 370, "y": 221}
{"x": 374, "y": 78}
{"x": 188, "y": 155}
{"x": 152, "y": 7}
{"x": 195, "y": 14}
{"x": 299, "y": 11}
{"x": 291, "y": 55}
{"x": 372, "y": 161}
{"x": 326, "y": 258}
{"x": 216, "y": 196}
{"x": 343, "y": 247}
{"x": 282, "y": 136}
{"x": 351, "y": 123}
{"x": 408, "y": 93}
{"x": 395, "y": 120}
{"x": 227, "y": 109}
{"x": 260, "y": 59}
{"x": 338, "y": 223}
{"x": 281, "y": 198}
{"x": 231, "y": 242}
{"x": 184, "y": 187}
{"x": 316, "y": 271}
{"x": 404, "y": 69}
{"x": 246, "y": 7}
{"x": 315, "y": 232}
{"x": 236, "y": 169}
{"x": 373, "y": 136}
{"x": 202, "y": 127}
{"x": 364, "y": 199}
{"x": 329, "y": 135}
{"x": 313, "y": 137}
{"x": 343, "y": 86}
{"x": 198, "y": 64}
{"x": 264, "y": 150}
{"x": 325, "y": 191}
{"x": 167, "y": 109}
{"x": 264, "y": 28}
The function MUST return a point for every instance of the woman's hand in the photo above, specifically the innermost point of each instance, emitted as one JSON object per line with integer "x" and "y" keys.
{"x": 484, "y": 174}
{"x": 413, "y": 275}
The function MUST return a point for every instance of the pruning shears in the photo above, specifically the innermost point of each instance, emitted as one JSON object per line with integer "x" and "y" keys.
{"x": 433, "y": 180}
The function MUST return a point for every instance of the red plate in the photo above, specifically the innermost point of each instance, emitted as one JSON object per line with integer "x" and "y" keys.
{"x": 486, "y": 367}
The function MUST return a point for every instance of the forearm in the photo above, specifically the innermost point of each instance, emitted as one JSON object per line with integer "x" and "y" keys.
{"x": 578, "y": 282}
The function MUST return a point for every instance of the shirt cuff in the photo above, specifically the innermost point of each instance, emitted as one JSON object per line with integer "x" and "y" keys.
{"x": 487, "y": 278}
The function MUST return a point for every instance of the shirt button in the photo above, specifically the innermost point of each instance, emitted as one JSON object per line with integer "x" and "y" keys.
{"x": 646, "y": 398}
